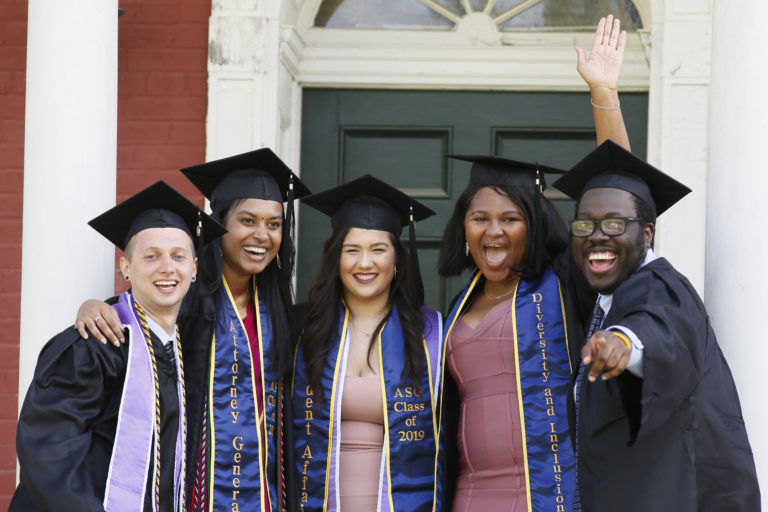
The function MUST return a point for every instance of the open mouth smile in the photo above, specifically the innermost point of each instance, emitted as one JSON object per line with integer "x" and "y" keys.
{"x": 495, "y": 254}
{"x": 166, "y": 286}
{"x": 254, "y": 251}
{"x": 365, "y": 278}
{"x": 601, "y": 261}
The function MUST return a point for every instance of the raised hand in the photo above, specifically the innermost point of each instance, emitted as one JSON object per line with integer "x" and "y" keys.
{"x": 602, "y": 68}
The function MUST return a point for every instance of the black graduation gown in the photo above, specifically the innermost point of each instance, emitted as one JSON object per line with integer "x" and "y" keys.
{"x": 68, "y": 420}
{"x": 674, "y": 440}
{"x": 577, "y": 297}
{"x": 195, "y": 322}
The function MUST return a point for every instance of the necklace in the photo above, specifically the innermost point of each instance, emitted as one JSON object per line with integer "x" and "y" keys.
{"x": 358, "y": 329}
{"x": 242, "y": 298}
{"x": 485, "y": 290}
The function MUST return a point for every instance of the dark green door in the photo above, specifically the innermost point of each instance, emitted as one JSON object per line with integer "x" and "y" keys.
{"x": 403, "y": 137}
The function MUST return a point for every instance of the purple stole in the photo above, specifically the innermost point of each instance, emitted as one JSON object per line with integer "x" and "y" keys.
{"x": 132, "y": 450}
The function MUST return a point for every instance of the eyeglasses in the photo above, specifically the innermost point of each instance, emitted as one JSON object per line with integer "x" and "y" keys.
{"x": 610, "y": 227}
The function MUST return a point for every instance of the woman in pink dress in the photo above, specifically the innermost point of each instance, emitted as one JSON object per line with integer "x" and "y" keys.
{"x": 365, "y": 386}
{"x": 513, "y": 333}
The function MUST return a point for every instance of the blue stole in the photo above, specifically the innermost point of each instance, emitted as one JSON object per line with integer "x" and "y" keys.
{"x": 410, "y": 477}
{"x": 543, "y": 380}
{"x": 242, "y": 442}
{"x": 132, "y": 449}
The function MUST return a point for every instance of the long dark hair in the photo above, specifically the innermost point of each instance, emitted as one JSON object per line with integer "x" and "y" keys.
{"x": 274, "y": 283}
{"x": 319, "y": 328}
{"x": 553, "y": 232}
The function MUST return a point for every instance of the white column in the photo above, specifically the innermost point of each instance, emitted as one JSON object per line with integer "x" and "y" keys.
{"x": 677, "y": 124}
{"x": 254, "y": 99}
{"x": 69, "y": 166}
{"x": 737, "y": 283}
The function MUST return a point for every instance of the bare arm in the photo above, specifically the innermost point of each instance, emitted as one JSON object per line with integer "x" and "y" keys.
{"x": 101, "y": 320}
{"x": 601, "y": 72}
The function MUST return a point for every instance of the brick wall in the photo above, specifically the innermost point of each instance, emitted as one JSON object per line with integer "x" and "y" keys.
{"x": 162, "y": 92}
{"x": 162, "y": 88}
{"x": 13, "y": 55}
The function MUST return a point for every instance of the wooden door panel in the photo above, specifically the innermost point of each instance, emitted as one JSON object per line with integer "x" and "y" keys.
{"x": 403, "y": 137}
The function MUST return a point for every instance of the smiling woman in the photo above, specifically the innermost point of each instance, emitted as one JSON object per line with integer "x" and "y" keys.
{"x": 497, "y": 237}
{"x": 512, "y": 334}
{"x": 507, "y": 344}
{"x": 254, "y": 234}
{"x": 366, "y": 360}
{"x": 367, "y": 265}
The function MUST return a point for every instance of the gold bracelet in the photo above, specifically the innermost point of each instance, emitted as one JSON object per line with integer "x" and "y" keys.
{"x": 623, "y": 338}
{"x": 617, "y": 106}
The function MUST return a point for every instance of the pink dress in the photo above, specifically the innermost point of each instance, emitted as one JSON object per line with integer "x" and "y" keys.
{"x": 362, "y": 442}
{"x": 482, "y": 361}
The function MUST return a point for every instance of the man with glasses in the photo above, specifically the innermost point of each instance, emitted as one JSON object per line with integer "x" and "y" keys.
{"x": 657, "y": 417}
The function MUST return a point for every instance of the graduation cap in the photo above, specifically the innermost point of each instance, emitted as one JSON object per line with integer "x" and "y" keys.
{"x": 258, "y": 174}
{"x": 369, "y": 203}
{"x": 612, "y": 166}
{"x": 157, "y": 206}
{"x": 498, "y": 171}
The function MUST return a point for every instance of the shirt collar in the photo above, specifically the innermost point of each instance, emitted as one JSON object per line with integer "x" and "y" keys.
{"x": 160, "y": 332}
{"x": 605, "y": 301}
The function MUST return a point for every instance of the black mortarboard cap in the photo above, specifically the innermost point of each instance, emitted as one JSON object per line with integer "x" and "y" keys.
{"x": 499, "y": 171}
{"x": 157, "y": 206}
{"x": 369, "y": 203}
{"x": 258, "y": 174}
{"x": 612, "y": 166}
{"x": 496, "y": 170}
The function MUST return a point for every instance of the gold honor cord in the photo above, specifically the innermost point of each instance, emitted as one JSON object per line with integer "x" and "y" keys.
{"x": 261, "y": 420}
{"x": 565, "y": 324}
{"x": 156, "y": 385}
{"x": 520, "y": 406}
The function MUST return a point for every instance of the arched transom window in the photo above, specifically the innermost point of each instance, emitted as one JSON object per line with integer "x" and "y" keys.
{"x": 494, "y": 15}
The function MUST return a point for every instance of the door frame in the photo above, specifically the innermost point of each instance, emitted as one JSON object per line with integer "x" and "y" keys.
{"x": 449, "y": 59}
{"x": 261, "y": 54}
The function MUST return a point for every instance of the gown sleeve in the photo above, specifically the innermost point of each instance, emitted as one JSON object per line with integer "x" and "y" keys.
{"x": 665, "y": 313}
{"x": 66, "y": 426}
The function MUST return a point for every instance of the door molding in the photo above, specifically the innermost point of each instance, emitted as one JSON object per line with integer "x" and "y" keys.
{"x": 429, "y": 59}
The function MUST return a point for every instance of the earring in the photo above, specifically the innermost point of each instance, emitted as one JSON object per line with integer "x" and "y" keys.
{"x": 194, "y": 278}
{"x": 395, "y": 270}
{"x": 466, "y": 248}
{"x": 127, "y": 278}
{"x": 279, "y": 266}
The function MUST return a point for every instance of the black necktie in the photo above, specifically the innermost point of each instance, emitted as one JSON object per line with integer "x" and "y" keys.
{"x": 597, "y": 321}
{"x": 169, "y": 352}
